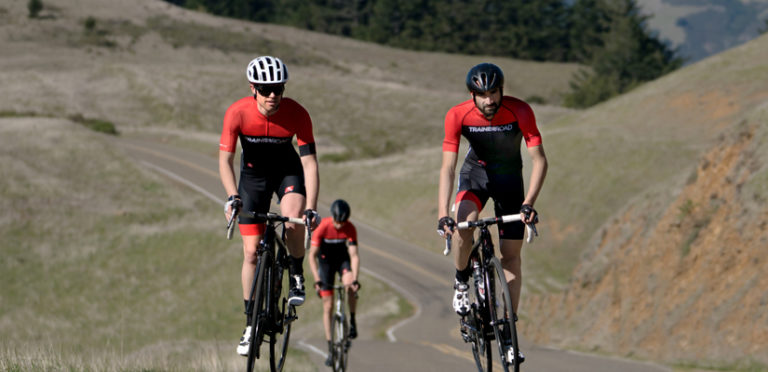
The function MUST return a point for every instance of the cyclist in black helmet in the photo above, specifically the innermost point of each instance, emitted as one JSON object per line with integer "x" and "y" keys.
{"x": 494, "y": 125}
{"x": 334, "y": 249}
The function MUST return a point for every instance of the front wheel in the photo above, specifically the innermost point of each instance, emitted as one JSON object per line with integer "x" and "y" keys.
{"x": 502, "y": 315}
{"x": 259, "y": 315}
{"x": 339, "y": 331}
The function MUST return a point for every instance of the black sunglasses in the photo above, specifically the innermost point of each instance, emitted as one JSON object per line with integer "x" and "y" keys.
{"x": 267, "y": 90}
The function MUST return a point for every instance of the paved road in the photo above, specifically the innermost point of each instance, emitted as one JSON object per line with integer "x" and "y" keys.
{"x": 429, "y": 340}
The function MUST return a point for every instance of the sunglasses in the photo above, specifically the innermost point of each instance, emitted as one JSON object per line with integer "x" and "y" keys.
{"x": 267, "y": 90}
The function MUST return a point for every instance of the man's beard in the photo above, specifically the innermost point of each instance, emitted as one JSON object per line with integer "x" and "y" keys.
{"x": 490, "y": 110}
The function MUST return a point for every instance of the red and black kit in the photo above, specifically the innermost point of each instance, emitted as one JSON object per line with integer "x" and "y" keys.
{"x": 493, "y": 165}
{"x": 269, "y": 162}
{"x": 333, "y": 254}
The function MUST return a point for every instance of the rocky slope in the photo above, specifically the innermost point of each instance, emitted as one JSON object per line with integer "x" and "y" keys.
{"x": 681, "y": 281}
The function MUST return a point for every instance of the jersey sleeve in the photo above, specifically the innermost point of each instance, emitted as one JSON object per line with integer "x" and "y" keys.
{"x": 230, "y": 130}
{"x": 304, "y": 136}
{"x": 452, "y": 131}
{"x": 319, "y": 233}
{"x": 352, "y": 235}
{"x": 527, "y": 122}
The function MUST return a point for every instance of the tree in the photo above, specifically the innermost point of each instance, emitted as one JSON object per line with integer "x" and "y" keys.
{"x": 627, "y": 56}
{"x": 35, "y": 7}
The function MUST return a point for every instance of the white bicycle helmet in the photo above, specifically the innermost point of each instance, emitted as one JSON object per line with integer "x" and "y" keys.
{"x": 267, "y": 70}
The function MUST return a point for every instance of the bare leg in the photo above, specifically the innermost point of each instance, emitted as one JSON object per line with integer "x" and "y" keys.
{"x": 512, "y": 264}
{"x": 467, "y": 211}
{"x": 292, "y": 205}
{"x": 250, "y": 245}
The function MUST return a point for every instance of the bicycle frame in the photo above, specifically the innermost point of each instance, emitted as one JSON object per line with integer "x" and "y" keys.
{"x": 486, "y": 321}
{"x": 269, "y": 315}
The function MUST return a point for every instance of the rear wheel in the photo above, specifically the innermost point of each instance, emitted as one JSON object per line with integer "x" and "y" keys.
{"x": 278, "y": 344}
{"x": 502, "y": 315}
{"x": 258, "y": 318}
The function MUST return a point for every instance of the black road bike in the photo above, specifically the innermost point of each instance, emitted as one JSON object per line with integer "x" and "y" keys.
{"x": 271, "y": 315}
{"x": 491, "y": 316}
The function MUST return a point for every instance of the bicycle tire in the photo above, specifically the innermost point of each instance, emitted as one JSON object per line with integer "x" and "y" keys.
{"x": 283, "y": 315}
{"x": 278, "y": 343}
{"x": 259, "y": 316}
{"x": 502, "y": 314}
{"x": 339, "y": 332}
{"x": 481, "y": 345}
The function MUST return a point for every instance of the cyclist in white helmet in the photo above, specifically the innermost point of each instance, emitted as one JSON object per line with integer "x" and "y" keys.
{"x": 266, "y": 123}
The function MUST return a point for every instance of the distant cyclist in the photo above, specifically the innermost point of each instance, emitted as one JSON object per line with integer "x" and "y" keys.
{"x": 265, "y": 123}
{"x": 334, "y": 250}
{"x": 494, "y": 126}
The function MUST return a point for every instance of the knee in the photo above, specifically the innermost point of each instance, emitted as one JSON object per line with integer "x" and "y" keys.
{"x": 250, "y": 255}
{"x": 293, "y": 229}
{"x": 511, "y": 261}
{"x": 464, "y": 236}
{"x": 327, "y": 304}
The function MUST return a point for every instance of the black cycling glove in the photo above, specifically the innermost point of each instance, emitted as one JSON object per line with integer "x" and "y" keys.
{"x": 528, "y": 211}
{"x": 443, "y": 223}
{"x": 311, "y": 217}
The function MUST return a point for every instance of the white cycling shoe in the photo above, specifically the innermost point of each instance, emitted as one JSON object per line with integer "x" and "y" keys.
{"x": 511, "y": 355}
{"x": 245, "y": 342}
{"x": 461, "y": 298}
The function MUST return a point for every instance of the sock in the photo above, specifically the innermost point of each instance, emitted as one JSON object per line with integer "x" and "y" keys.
{"x": 247, "y": 315}
{"x": 352, "y": 319}
{"x": 463, "y": 275}
{"x": 330, "y": 346}
{"x": 297, "y": 267}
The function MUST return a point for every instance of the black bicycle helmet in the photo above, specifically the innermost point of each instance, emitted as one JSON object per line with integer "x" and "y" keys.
{"x": 340, "y": 210}
{"x": 484, "y": 77}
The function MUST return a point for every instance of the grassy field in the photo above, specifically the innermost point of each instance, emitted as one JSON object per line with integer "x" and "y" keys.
{"x": 107, "y": 266}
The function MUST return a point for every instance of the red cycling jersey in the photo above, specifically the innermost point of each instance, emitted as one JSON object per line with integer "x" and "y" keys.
{"x": 332, "y": 241}
{"x": 495, "y": 144}
{"x": 244, "y": 118}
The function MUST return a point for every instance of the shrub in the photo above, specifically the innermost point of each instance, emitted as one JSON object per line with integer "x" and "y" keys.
{"x": 34, "y": 6}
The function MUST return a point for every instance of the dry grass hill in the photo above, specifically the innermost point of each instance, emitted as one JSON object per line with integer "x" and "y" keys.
{"x": 653, "y": 213}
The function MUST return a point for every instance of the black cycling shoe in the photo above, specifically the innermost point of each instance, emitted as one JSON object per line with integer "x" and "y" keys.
{"x": 352, "y": 332}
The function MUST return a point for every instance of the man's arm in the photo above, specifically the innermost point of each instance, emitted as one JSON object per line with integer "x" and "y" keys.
{"x": 354, "y": 260}
{"x": 538, "y": 173}
{"x": 227, "y": 172}
{"x": 311, "y": 179}
{"x": 227, "y": 175}
{"x": 313, "y": 250}
{"x": 447, "y": 175}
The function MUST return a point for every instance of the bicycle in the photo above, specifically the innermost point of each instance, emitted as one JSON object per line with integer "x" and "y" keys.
{"x": 340, "y": 331}
{"x": 491, "y": 316}
{"x": 271, "y": 315}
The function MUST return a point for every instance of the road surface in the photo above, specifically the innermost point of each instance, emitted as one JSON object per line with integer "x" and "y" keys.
{"x": 427, "y": 341}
